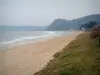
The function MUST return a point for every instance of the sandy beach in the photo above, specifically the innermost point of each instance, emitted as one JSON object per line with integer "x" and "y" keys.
{"x": 30, "y": 58}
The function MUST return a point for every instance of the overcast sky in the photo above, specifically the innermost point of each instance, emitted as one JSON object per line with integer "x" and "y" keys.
{"x": 43, "y": 12}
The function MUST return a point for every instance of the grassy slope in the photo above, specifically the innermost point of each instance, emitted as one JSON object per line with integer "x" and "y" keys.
{"x": 80, "y": 57}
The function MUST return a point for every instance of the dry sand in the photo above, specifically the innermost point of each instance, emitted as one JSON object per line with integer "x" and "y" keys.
{"x": 30, "y": 58}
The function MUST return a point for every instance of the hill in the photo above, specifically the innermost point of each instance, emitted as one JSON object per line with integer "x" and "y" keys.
{"x": 80, "y": 57}
{"x": 62, "y": 24}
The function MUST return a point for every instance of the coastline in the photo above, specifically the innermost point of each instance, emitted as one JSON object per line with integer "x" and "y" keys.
{"x": 7, "y": 45}
{"x": 30, "y": 58}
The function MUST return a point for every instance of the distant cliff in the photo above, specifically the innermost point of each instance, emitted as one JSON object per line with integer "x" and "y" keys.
{"x": 62, "y": 24}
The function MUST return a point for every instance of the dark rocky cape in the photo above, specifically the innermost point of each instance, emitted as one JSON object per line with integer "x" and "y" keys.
{"x": 63, "y": 24}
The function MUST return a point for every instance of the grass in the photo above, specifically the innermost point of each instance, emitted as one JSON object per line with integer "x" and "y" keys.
{"x": 80, "y": 57}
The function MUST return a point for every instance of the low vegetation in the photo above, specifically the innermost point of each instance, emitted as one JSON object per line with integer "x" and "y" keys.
{"x": 95, "y": 33}
{"x": 80, "y": 57}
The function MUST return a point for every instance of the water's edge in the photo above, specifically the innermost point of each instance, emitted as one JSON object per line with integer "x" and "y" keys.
{"x": 6, "y": 45}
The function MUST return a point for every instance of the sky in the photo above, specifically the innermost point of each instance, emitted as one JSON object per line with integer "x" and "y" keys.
{"x": 44, "y": 12}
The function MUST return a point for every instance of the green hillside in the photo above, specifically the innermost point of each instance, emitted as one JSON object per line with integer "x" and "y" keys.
{"x": 80, "y": 57}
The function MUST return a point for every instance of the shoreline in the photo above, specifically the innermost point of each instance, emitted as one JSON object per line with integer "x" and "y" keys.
{"x": 30, "y": 58}
{"x": 30, "y": 41}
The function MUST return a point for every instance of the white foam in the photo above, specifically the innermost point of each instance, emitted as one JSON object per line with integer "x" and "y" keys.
{"x": 23, "y": 39}
{"x": 49, "y": 32}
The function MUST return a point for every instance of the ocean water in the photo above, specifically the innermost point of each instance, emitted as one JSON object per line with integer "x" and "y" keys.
{"x": 10, "y": 38}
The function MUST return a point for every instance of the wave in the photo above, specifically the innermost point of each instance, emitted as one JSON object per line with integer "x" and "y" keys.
{"x": 33, "y": 38}
{"x": 50, "y": 33}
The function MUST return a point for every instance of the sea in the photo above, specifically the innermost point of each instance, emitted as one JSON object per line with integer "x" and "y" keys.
{"x": 12, "y": 38}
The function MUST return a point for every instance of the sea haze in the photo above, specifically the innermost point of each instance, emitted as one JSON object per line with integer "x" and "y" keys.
{"x": 22, "y": 28}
